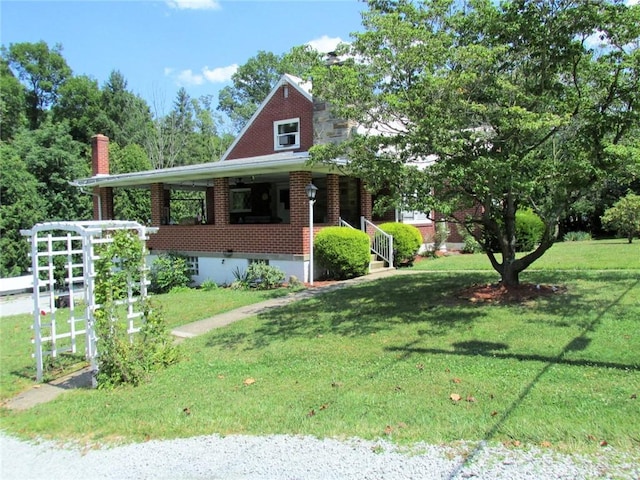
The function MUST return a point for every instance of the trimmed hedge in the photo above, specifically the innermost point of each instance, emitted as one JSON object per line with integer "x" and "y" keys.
{"x": 529, "y": 230}
{"x": 343, "y": 252}
{"x": 406, "y": 241}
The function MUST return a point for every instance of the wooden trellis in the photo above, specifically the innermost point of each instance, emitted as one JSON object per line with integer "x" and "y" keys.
{"x": 63, "y": 256}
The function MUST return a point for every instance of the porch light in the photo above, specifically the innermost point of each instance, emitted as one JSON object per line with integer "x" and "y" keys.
{"x": 311, "y": 191}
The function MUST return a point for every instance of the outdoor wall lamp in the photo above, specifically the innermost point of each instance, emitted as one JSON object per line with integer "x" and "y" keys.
{"x": 311, "y": 191}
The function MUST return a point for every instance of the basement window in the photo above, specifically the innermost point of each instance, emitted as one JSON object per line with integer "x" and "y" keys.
{"x": 286, "y": 134}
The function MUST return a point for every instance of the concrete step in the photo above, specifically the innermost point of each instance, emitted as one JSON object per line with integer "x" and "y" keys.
{"x": 377, "y": 265}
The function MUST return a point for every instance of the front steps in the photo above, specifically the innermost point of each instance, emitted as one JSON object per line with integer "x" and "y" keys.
{"x": 376, "y": 265}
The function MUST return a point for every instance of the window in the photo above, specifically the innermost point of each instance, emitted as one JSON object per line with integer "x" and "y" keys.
{"x": 193, "y": 264}
{"x": 286, "y": 134}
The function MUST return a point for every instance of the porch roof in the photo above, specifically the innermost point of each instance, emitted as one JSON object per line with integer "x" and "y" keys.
{"x": 202, "y": 174}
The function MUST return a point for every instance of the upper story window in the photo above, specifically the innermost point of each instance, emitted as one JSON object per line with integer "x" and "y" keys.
{"x": 286, "y": 134}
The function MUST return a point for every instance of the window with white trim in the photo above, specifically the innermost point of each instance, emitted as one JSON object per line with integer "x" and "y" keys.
{"x": 286, "y": 134}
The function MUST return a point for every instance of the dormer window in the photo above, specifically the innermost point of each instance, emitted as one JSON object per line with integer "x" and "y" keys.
{"x": 286, "y": 134}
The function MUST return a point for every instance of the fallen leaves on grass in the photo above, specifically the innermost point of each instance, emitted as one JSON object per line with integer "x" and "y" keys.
{"x": 249, "y": 381}
{"x": 455, "y": 397}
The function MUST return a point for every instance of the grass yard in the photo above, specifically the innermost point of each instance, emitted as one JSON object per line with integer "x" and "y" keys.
{"x": 401, "y": 358}
{"x": 17, "y": 368}
{"x": 591, "y": 255}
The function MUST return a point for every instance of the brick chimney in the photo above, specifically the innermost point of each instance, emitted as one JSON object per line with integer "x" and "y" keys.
{"x": 100, "y": 154}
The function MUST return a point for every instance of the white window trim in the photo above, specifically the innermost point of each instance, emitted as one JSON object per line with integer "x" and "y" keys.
{"x": 276, "y": 143}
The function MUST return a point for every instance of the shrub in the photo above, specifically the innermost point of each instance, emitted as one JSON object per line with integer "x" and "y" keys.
{"x": 264, "y": 277}
{"x": 576, "y": 236}
{"x": 168, "y": 271}
{"x": 471, "y": 245}
{"x": 624, "y": 216}
{"x": 529, "y": 230}
{"x": 343, "y": 252}
{"x": 407, "y": 240}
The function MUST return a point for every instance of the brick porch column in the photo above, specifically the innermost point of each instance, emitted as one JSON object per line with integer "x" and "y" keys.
{"x": 221, "y": 201}
{"x": 210, "y": 205}
{"x": 298, "y": 201}
{"x": 333, "y": 199}
{"x": 366, "y": 201}
{"x": 157, "y": 204}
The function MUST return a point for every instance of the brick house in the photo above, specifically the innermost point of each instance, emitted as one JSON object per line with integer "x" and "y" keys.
{"x": 254, "y": 203}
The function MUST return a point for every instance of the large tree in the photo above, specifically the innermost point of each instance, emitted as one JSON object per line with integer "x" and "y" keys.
{"x": 42, "y": 70}
{"x": 510, "y": 105}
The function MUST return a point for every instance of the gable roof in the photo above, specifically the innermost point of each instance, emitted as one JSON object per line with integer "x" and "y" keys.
{"x": 300, "y": 85}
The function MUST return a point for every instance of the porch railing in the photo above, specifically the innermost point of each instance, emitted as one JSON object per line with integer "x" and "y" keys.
{"x": 381, "y": 242}
{"x": 343, "y": 223}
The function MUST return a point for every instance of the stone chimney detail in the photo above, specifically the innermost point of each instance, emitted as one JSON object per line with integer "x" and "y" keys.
{"x": 100, "y": 155}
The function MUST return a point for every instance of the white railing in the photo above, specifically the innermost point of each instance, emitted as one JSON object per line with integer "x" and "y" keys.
{"x": 342, "y": 223}
{"x": 381, "y": 242}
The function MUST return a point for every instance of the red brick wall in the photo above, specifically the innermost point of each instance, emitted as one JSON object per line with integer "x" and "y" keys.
{"x": 246, "y": 238}
{"x": 258, "y": 139}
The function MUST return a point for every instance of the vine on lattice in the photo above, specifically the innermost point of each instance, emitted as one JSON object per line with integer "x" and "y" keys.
{"x": 125, "y": 358}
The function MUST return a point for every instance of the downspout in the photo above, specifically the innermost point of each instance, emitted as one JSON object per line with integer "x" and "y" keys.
{"x": 75, "y": 184}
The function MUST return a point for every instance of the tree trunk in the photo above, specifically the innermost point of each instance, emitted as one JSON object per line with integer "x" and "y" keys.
{"x": 510, "y": 275}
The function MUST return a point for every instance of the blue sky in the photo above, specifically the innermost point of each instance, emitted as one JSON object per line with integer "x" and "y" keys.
{"x": 162, "y": 45}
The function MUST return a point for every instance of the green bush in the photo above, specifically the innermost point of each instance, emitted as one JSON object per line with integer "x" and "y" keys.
{"x": 470, "y": 244}
{"x": 529, "y": 230}
{"x": 576, "y": 236}
{"x": 407, "y": 240}
{"x": 264, "y": 277}
{"x": 168, "y": 271}
{"x": 343, "y": 252}
{"x": 624, "y": 216}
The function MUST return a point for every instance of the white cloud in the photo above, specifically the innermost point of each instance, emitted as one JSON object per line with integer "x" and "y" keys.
{"x": 632, "y": 2}
{"x": 189, "y": 78}
{"x": 194, "y": 4}
{"x": 186, "y": 78}
{"x": 220, "y": 74}
{"x": 325, "y": 44}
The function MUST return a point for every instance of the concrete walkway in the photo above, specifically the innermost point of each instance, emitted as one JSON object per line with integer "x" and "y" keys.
{"x": 46, "y": 392}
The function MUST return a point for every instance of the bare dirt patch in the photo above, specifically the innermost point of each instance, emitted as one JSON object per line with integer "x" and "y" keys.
{"x": 499, "y": 293}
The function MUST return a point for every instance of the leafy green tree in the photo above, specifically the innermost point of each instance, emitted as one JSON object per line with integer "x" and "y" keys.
{"x": 42, "y": 70}
{"x": 80, "y": 104}
{"x": 508, "y": 106}
{"x": 54, "y": 158}
{"x": 255, "y": 79}
{"x": 130, "y": 203}
{"x": 12, "y": 103}
{"x": 129, "y": 115}
{"x": 21, "y": 207}
{"x": 624, "y": 216}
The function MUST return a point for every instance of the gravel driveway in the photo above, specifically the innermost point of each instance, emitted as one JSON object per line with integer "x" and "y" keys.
{"x": 292, "y": 457}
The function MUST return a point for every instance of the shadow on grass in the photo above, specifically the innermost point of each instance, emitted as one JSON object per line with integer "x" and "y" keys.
{"x": 580, "y": 342}
{"x": 364, "y": 309}
{"x": 428, "y": 299}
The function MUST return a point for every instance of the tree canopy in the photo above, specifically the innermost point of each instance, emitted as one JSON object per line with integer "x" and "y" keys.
{"x": 478, "y": 109}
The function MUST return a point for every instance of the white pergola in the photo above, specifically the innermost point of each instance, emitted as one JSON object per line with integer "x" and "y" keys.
{"x": 69, "y": 248}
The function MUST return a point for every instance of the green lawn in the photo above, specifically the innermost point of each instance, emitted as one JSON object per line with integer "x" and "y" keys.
{"x": 383, "y": 359}
{"x": 592, "y": 255}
